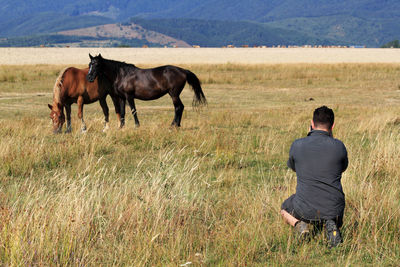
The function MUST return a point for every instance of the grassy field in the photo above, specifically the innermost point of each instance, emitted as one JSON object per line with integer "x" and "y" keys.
{"x": 207, "y": 194}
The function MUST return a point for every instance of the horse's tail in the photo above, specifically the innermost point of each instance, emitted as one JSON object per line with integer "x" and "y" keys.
{"x": 58, "y": 85}
{"x": 194, "y": 82}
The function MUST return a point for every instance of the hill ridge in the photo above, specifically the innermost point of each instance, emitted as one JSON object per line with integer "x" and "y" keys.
{"x": 127, "y": 31}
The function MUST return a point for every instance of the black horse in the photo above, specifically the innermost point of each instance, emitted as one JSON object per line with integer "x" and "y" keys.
{"x": 130, "y": 82}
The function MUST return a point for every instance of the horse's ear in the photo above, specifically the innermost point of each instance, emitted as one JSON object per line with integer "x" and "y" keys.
{"x": 50, "y": 106}
{"x": 90, "y": 56}
{"x": 100, "y": 56}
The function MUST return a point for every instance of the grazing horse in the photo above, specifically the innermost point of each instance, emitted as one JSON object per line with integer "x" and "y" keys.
{"x": 130, "y": 82}
{"x": 70, "y": 87}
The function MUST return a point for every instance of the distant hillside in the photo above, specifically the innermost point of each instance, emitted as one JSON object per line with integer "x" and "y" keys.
{"x": 369, "y": 22}
{"x": 170, "y": 32}
{"x": 48, "y": 23}
{"x": 57, "y": 40}
{"x": 254, "y": 10}
{"x": 52, "y": 40}
{"x": 221, "y": 33}
{"x": 109, "y": 35}
{"x": 342, "y": 28}
{"x": 126, "y": 31}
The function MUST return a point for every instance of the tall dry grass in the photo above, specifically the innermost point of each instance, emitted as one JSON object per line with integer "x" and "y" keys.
{"x": 208, "y": 193}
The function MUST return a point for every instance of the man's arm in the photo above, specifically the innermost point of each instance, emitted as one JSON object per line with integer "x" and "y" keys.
{"x": 345, "y": 159}
{"x": 290, "y": 162}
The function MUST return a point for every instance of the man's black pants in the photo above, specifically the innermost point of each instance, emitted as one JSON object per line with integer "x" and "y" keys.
{"x": 287, "y": 205}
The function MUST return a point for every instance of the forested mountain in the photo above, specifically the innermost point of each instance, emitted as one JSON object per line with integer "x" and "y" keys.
{"x": 255, "y": 10}
{"x": 221, "y": 33}
{"x": 369, "y": 22}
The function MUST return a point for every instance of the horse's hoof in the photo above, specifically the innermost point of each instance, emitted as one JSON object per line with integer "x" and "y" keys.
{"x": 175, "y": 126}
{"x": 58, "y": 130}
{"x": 106, "y": 127}
{"x": 68, "y": 131}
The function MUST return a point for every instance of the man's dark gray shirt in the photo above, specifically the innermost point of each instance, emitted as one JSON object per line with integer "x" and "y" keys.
{"x": 318, "y": 161}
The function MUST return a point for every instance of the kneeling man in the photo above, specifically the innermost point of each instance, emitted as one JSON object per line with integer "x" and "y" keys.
{"x": 318, "y": 160}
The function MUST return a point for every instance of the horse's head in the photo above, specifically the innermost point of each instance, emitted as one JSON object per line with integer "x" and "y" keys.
{"x": 94, "y": 67}
{"x": 57, "y": 117}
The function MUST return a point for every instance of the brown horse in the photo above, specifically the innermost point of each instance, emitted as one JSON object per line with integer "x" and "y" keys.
{"x": 72, "y": 87}
{"x": 130, "y": 82}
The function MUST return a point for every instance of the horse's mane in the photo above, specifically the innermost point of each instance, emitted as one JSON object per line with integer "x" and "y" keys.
{"x": 116, "y": 65}
{"x": 57, "y": 86}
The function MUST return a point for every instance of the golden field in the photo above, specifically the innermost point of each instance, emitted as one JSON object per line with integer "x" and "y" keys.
{"x": 207, "y": 194}
{"x": 79, "y": 56}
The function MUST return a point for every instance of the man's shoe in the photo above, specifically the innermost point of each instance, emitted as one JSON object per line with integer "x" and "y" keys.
{"x": 332, "y": 233}
{"x": 302, "y": 230}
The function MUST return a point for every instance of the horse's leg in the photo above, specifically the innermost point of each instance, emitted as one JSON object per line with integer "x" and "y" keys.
{"x": 117, "y": 108}
{"x": 68, "y": 111}
{"x": 80, "y": 114}
{"x": 103, "y": 104}
{"x": 122, "y": 109}
{"x": 178, "y": 111}
{"x": 131, "y": 102}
